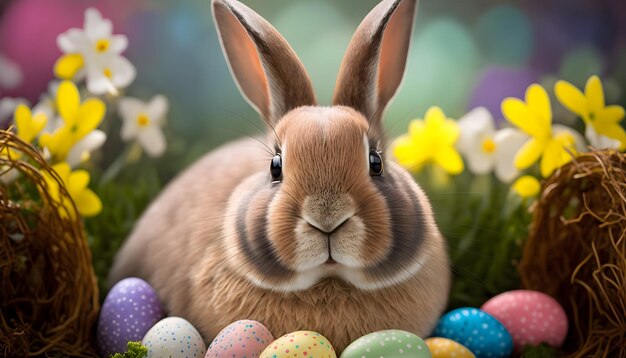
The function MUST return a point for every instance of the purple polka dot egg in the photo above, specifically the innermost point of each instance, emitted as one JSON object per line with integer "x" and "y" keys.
{"x": 174, "y": 337}
{"x": 241, "y": 339}
{"x": 129, "y": 310}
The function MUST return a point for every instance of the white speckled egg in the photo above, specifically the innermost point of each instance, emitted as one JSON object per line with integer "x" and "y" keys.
{"x": 476, "y": 330}
{"x": 243, "y": 338}
{"x": 392, "y": 343}
{"x": 174, "y": 337}
{"x": 303, "y": 344}
{"x": 129, "y": 310}
{"x": 531, "y": 317}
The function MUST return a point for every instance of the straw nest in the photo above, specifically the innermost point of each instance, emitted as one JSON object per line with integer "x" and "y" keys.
{"x": 576, "y": 251}
{"x": 48, "y": 295}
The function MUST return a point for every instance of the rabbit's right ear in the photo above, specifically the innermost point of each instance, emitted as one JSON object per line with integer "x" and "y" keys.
{"x": 267, "y": 71}
{"x": 373, "y": 66}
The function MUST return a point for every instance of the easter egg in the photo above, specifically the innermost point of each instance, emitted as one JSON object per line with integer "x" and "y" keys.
{"x": 243, "y": 338}
{"x": 531, "y": 317}
{"x": 391, "y": 343}
{"x": 174, "y": 337}
{"x": 478, "y": 331}
{"x": 129, "y": 310}
{"x": 444, "y": 348}
{"x": 300, "y": 344}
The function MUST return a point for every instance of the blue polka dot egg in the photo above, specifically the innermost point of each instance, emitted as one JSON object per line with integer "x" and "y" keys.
{"x": 478, "y": 331}
{"x": 174, "y": 337}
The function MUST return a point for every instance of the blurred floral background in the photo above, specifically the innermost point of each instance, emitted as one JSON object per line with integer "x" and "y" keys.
{"x": 464, "y": 55}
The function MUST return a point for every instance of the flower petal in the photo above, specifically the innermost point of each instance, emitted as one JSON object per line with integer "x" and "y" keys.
{"x": 89, "y": 116}
{"x": 77, "y": 181}
{"x": 516, "y": 112}
{"x": 526, "y": 186}
{"x": 572, "y": 98}
{"x": 97, "y": 27}
{"x": 85, "y": 146}
{"x": 98, "y": 83}
{"x": 67, "y": 66}
{"x": 594, "y": 94}
{"x": 68, "y": 101}
{"x": 450, "y": 160}
{"x": 556, "y": 154}
{"x": 529, "y": 153}
{"x": 538, "y": 103}
{"x": 129, "y": 108}
{"x": 614, "y": 131}
{"x": 406, "y": 153}
{"x": 118, "y": 44}
{"x": 73, "y": 41}
{"x": 152, "y": 140}
{"x": 598, "y": 141}
{"x": 88, "y": 203}
{"x": 610, "y": 115}
{"x": 157, "y": 108}
{"x": 63, "y": 170}
{"x": 475, "y": 124}
{"x": 508, "y": 142}
{"x": 124, "y": 72}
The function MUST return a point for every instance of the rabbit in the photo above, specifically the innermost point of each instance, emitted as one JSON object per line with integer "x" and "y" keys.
{"x": 325, "y": 233}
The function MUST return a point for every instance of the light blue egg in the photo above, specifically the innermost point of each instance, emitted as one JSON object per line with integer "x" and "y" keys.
{"x": 478, "y": 331}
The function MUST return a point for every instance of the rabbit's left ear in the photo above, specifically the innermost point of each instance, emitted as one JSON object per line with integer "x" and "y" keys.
{"x": 373, "y": 66}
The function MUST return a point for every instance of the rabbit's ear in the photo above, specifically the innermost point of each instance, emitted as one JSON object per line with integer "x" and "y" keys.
{"x": 373, "y": 66}
{"x": 267, "y": 71}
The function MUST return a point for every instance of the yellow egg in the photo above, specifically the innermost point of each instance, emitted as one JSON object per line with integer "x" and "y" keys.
{"x": 300, "y": 344}
{"x": 445, "y": 348}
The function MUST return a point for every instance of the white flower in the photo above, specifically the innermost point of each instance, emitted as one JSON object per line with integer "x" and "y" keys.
{"x": 487, "y": 149}
{"x": 82, "y": 150}
{"x": 143, "y": 121}
{"x": 95, "y": 53}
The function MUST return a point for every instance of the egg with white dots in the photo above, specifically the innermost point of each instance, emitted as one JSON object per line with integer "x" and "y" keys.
{"x": 244, "y": 338}
{"x": 129, "y": 310}
{"x": 482, "y": 334}
{"x": 174, "y": 337}
{"x": 531, "y": 317}
{"x": 392, "y": 343}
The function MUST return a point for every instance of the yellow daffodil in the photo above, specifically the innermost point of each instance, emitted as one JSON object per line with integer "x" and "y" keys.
{"x": 553, "y": 145}
{"x": 78, "y": 120}
{"x": 526, "y": 186}
{"x": 86, "y": 201}
{"x": 430, "y": 140}
{"x": 601, "y": 120}
{"x": 28, "y": 125}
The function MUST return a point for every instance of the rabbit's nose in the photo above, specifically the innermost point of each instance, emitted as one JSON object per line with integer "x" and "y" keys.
{"x": 327, "y": 212}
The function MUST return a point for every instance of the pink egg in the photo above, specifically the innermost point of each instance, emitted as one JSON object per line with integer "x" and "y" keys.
{"x": 243, "y": 338}
{"x": 531, "y": 317}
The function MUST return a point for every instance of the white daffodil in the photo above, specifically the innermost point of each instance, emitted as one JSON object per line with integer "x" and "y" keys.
{"x": 487, "y": 149}
{"x": 143, "y": 122}
{"x": 82, "y": 150}
{"x": 95, "y": 53}
{"x": 599, "y": 141}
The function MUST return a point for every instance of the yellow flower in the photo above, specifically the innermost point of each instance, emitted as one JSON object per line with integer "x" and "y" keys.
{"x": 86, "y": 201}
{"x": 430, "y": 140}
{"x": 78, "y": 120}
{"x": 526, "y": 186}
{"x": 28, "y": 126}
{"x": 67, "y": 66}
{"x": 590, "y": 106}
{"x": 555, "y": 146}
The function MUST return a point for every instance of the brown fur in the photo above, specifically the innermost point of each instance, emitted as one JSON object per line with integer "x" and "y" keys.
{"x": 223, "y": 242}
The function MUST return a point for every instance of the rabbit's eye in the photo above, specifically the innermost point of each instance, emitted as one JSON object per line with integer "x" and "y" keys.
{"x": 376, "y": 163}
{"x": 276, "y": 168}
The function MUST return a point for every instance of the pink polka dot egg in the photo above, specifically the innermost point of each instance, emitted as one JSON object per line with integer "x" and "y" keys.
{"x": 531, "y": 317}
{"x": 129, "y": 310}
{"x": 241, "y": 339}
{"x": 302, "y": 344}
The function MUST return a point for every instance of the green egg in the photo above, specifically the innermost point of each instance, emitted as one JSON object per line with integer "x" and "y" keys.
{"x": 391, "y": 343}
